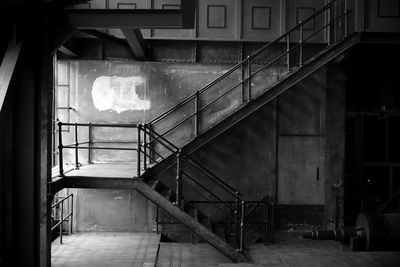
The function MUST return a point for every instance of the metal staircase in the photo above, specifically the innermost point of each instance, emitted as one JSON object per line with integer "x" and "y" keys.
{"x": 169, "y": 139}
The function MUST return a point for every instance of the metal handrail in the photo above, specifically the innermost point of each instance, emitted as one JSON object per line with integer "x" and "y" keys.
{"x": 62, "y": 218}
{"x": 240, "y": 64}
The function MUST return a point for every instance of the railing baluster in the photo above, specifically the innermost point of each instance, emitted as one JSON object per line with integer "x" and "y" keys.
{"x": 249, "y": 78}
{"x": 266, "y": 220}
{"x": 72, "y": 211}
{"x": 328, "y": 28}
{"x": 178, "y": 180}
{"x": 288, "y": 52}
{"x": 90, "y": 143}
{"x": 301, "y": 44}
{"x": 61, "y": 221}
{"x": 138, "y": 151}
{"x": 196, "y": 116}
{"x": 60, "y": 149}
{"x": 76, "y": 147}
{"x": 346, "y": 19}
{"x": 241, "y": 245}
{"x": 145, "y": 146}
{"x": 236, "y": 213}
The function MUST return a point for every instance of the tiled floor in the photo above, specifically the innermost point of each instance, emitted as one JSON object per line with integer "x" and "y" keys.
{"x": 106, "y": 249}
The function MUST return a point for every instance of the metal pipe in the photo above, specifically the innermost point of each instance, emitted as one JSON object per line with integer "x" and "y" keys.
{"x": 249, "y": 79}
{"x": 138, "y": 151}
{"x": 236, "y": 212}
{"x": 241, "y": 244}
{"x": 150, "y": 143}
{"x": 60, "y": 148}
{"x": 76, "y": 147}
{"x": 90, "y": 144}
{"x": 108, "y": 125}
{"x": 103, "y": 147}
{"x": 272, "y": 222}
{"x": 301, "y": 44}
{"x": 72, "y": 212}
{"x": 346, "y": 19}
{"x": 178, "y": 180}
{"x": 230, "y": 219}
{"x": 196, "y": 112}
{"x": 328, "y": 29}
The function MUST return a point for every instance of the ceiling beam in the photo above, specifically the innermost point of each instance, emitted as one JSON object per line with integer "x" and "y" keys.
{"x": 66, "y": 51}
{"x": 7, "y": 67}
{"x": 125, "y": 18}
{"x": 105, "y": 36}
{"x": 136, "y": 42}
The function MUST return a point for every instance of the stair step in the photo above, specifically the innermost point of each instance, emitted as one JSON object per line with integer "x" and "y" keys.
{"x": 153, "y": 183}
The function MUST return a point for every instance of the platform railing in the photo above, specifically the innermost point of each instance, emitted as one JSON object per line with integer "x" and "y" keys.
{"x": 90, "y": 142}
{"x": 62, "y": 216}
{"x": 149, "y": 138}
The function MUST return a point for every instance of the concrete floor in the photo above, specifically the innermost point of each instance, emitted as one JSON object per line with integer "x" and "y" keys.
{"x": 106, "y": 249}
{"x": 141, "y": 249}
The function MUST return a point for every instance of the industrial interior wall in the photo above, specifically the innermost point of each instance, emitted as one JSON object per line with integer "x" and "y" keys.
{"x": 279, "y": 151}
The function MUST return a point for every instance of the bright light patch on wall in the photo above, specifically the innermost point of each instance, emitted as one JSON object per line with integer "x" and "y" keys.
{"x": 118, "y": 94}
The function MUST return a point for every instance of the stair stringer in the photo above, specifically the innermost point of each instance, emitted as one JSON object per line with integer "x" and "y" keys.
{"x": 189, "y": 222}
{"x": 282, "y": 86}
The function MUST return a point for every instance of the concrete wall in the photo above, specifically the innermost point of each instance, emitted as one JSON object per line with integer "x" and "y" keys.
{"x": 280, "y": 151}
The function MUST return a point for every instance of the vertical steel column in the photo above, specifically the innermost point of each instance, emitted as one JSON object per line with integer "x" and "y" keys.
{"x": 76, "y": 147}
{"x": 301, "y": 44}
{"x": 145, "y": 145}
{"x": 61, "y": 220}
{"x": 90, "y": 144}
{"x": 196, "y": 114}
{"x": 249, "y": 78}
{"x": 178, "y": 179}
{"x": 288, "y": 51}
{"x": 241, "y": 244}
{"x": 60, "y": 149}
{"x": 138, "y": 151}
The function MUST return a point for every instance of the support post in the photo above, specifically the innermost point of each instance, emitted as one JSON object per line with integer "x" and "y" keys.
{"x": 72, "y": 212}
{"x": 76, "y": 147}
{"x": 60, "y": 149}
{"x": 249, "y": 78}
{"x": 328, "y": 28}
{"x": 150, "y": 128}
{"x": 266, "y": 221}
{"x": 196, "y": 114}
{"x": 178, "y": 180}
{"x": 346, "y": 19}
{"x": 138, "y": 151}
{"x": 236, "y": 212}
{"x": 301, "y": 44}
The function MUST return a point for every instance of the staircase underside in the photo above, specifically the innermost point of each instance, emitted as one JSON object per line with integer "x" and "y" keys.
{"x": 280, "y": 87}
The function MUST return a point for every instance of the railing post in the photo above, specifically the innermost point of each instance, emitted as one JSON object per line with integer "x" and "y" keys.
{"x": 72, "y": 212}
{"x": 61, "y": 221}
{"x": 266, "y": 221}
{"x": 60, "y": 149}
{"x": 138, "y": 150}
{"x": 229, "y": 219}
{"x": 249, "y": 78}
{"x": 241, "y": 244}
{"x": 196, "y": 114}
{"x": 301, "y": 44}
{"x": 328, "y": 28}
{"x": 236, "y": 212}
{"x": 76, "y": 147}
{"x": 288, "y": 51}
{"x": 150, "y": 128}
{"x": 346, "y": 19}
{"x": 157, "y": 219}
{"x": 145, "y": 145}
{"x": 272, "y": 219}
{"x": 178, "y": 180}
{"x": 90, "y": 144}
